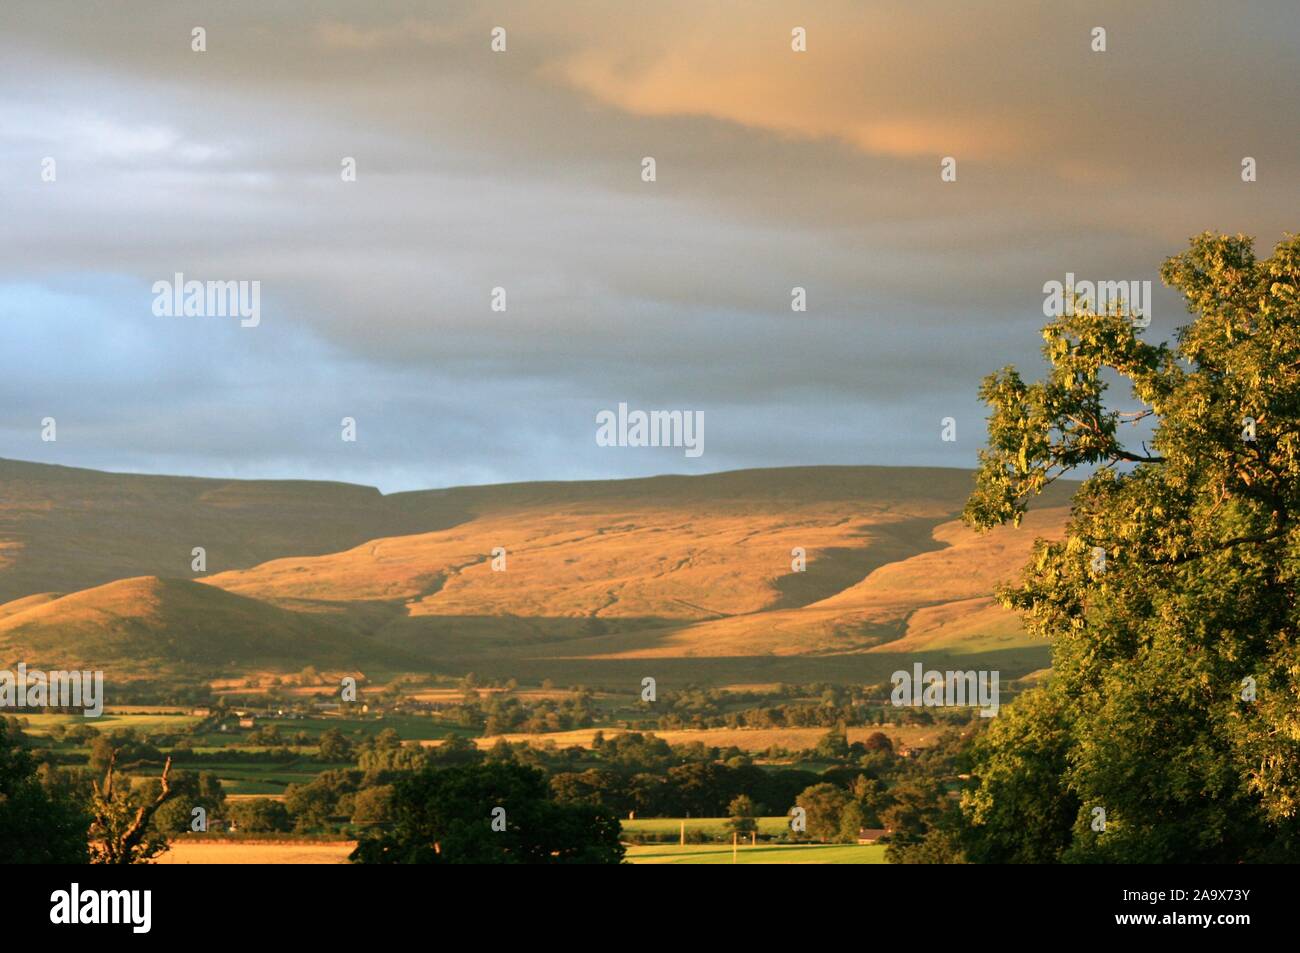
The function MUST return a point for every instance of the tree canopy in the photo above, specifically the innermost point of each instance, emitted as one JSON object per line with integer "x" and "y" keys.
{"x": 1174, "y": 702}
{"x": 37, "y": 826}
{"x": 488, "y": 813}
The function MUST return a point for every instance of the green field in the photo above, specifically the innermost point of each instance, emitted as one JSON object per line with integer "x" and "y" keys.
{"x": 41, "y": 723}
{"x": 268, "y": 779}
{"x": 762, "y": 854}
{"x": 711, "y": 826}
{"x": 408, "y": 728}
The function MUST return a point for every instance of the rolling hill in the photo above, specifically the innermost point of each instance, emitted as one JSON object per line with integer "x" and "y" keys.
{"x": 690, "y": 576}
{"x": 63, "y": 528}
{"x": 162, "y": 625}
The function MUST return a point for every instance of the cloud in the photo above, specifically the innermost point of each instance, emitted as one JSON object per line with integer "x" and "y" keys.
{"x": 522, "y": 170}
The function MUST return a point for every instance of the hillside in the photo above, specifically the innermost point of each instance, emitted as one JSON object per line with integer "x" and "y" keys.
{"x": 692, "y": 574}
{"x": 63, "y": 529}
{"x": 156, "y": 625}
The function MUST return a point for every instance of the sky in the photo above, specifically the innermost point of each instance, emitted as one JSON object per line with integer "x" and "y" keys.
{"x": 522, "y": 170}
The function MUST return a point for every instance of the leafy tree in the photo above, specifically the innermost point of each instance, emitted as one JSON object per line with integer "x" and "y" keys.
{"x": 334, "y": 746}
{"x": 373, "y": 805}
{"x": 446, "y": 816}
{"x": 743, "y": 813}
{"x": 917, "y": 806}
{"x": 190, "y": 790}
{"x": 268, "y": 735}
{"x": 598, "y": 787}
{"x": 123, "y": 748}
{"x": 456, "y": 749}
{"x": 852, "y": 820}
{"x": 702, "y": 789}
{"x": 824, "y": 804}
{"x": 879, "y": 741}
{"x": 940, "y": 845}
{"x": 1172, "y": 600}
{"x": 501, "y": 751}
{"x": 260, "y": 816}
{"x": 639, "y": 752}
{"x": 871, "y": 797}
{"x": 37, "y": 825}
{"x": 834, "y": 745}
{"x": 313, "y": 804}
{"x": 385, "y": 755}
{"x": 1022, "y": 811}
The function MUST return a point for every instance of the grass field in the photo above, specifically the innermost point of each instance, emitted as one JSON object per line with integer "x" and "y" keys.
{"x": 762, "y": 854}
{"x": 41, "y": 723}
{"x": 260, "y": 779}
{"x": 408, "y": 728}
{"x": 209, "y": 852}
{"x": 712, "y": 826}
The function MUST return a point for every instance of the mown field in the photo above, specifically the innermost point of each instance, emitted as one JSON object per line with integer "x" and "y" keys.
{"x": 234, "y": 852}
{"x": 710, "y": 826}
{"x": 762, "y": 854}
{"x": 746, "y": 739}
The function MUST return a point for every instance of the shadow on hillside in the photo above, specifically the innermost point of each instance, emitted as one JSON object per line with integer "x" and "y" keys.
{"x": 835, "y": 569}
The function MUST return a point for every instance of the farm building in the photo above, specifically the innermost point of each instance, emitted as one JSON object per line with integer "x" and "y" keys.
{"x": 871, "y": 835}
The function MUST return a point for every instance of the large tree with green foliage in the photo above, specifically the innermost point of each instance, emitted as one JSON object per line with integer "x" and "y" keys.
{"x": 38, "y": 825}
{"x": 1174, "y": 703}
{"x": 451, "y": 816}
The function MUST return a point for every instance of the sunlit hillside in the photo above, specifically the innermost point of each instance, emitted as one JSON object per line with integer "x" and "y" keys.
{"x": 723, "y": 573}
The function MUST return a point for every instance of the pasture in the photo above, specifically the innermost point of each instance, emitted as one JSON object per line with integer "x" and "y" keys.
{"x": 762, "y": 854}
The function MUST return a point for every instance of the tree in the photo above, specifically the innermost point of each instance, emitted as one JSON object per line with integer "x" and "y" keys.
{"x": 456, "y": 749}
{"x": 385, "y": 755}
{"x": 120, "y": 832}
{"x": 743, "y": 813}
{"x": 313, "y": 804}
{"x": 488, "y": 813}
{"x": 123, "y": 748}
{"x": 834, "y": 745}
{"x": 1022, "y": 810}
{"x": 1173, "y": 727}
{"x": 190, "y": 790}
{"x": 918, "y": 805}
{"x": 871, "y": 797}
{"x": 267, "y": 735}
{"x": 879, "y": 741}
{"x": 37, "y": 825}
{"x": 940, "y": 845}
{"x": 260, "y": 816}
{"x": 824, "y": 803}
{"x": 372, "y": 805}
{"x": 852, "y": 820}
{"x": 334, "y": 747}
